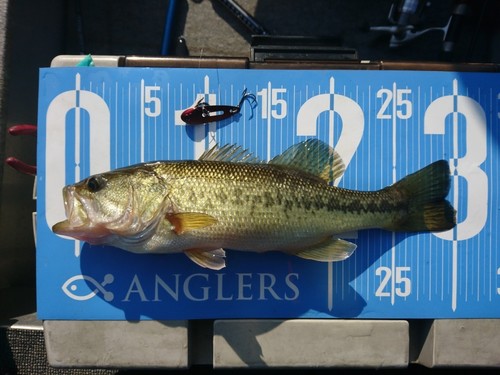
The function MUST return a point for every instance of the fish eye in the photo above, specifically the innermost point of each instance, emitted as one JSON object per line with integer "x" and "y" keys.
{"x": 95, "y": 183}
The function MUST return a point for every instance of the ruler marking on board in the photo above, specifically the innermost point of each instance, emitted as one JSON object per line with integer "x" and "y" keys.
{"x": 269, "y": 122}
{"x": 142, "y": 120}
{"x": 211, "y": 135}
{"x": 77, "y": 243}
{"x": 363, "y": 171}
{"x": 393, "y": 172}
{"x": 454, "y": 261}
{"x": 489, "y": 197}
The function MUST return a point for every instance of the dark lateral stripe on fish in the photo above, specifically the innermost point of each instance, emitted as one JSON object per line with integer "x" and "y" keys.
{"x": 365, "y": 202}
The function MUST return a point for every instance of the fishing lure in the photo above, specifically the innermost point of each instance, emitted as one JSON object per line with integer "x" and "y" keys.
{"x": 202, "y": 112}
{"x": 14, "y": 162}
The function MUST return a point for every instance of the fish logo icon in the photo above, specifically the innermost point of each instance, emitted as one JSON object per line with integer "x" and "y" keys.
{"x": 73, "y": 287}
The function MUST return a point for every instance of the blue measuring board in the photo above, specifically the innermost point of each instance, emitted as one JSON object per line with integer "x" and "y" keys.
{"x": 384, "y": 124}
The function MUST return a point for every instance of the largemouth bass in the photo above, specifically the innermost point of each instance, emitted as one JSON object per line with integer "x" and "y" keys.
{"x": 229, "y": 200}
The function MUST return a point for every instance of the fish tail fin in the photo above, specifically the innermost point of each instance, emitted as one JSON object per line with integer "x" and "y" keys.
{"x": 425, "y": 192}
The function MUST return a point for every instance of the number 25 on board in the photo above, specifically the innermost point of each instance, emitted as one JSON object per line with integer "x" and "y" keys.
{"x": 391, "y": 282}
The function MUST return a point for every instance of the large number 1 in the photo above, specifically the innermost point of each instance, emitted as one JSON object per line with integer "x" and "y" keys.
{"x": 468, "y": 165}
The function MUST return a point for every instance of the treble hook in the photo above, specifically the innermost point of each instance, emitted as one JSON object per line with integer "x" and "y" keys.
{"x": 247, "y": 95}
{"x": 202, "y": 112}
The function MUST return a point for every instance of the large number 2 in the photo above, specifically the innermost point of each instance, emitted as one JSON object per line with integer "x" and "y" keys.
{"x": 467, "y": 166}
{"x": 351, "y": 114}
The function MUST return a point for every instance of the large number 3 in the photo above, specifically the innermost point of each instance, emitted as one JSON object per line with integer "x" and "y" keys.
{"x": 468, "y": 165}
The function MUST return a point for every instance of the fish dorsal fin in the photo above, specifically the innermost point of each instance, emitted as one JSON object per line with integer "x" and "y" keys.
{"x": 331, "y": 250}
{"x": 230, "y": 153}
{"x": 213, "y": 259}
{"x": 315, "y": 157}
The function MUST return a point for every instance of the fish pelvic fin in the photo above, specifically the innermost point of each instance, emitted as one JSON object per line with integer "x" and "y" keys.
{"x": 426, "y": 191}
{"x": 186, "y": 221}
{"x": 212, "y": 259}
{"x": 330, "y": 250}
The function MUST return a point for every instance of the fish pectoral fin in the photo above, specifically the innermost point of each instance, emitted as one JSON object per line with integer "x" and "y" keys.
{"x": 185, "y": 221}
{"x": 213, "y": 259}
{"x": 331, "y": 250}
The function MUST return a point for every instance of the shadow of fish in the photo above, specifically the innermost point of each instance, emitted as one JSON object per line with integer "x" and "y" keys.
{"x": 228, "y": 199}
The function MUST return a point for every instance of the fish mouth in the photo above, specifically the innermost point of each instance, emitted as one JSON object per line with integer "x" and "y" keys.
{"x": 85, "y": 220}
{"x": 78, "y": 223}
{"x": 74, "y": 208}
{"x": 97, "y": 236}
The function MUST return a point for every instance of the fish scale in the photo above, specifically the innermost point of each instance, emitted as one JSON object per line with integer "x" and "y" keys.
{"x": 273, "y": 200}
